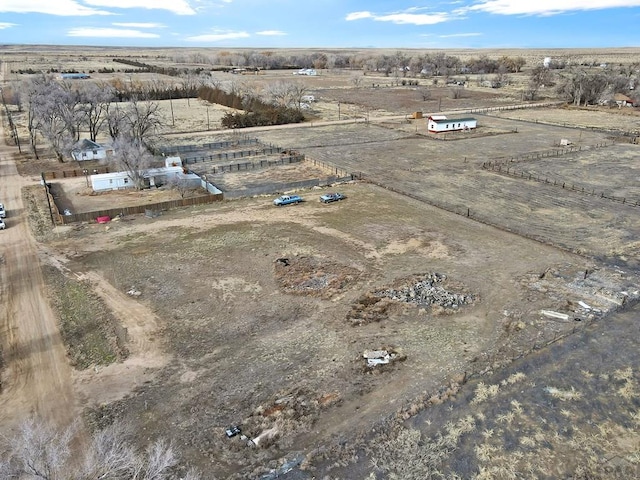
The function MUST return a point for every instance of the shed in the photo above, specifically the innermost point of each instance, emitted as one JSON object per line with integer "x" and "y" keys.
{"x": 88, "y": 150}
{"x": 440, "y": 123}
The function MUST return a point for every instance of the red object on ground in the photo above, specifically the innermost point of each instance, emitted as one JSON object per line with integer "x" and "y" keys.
{"x": 104, "y": 219}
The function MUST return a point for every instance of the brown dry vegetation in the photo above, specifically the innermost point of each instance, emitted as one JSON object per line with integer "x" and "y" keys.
{"x": 264, "y": 313}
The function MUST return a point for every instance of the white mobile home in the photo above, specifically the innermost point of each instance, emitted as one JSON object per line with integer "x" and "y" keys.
{"x": 153, "y": 177}
{"x": 440, "y": 123}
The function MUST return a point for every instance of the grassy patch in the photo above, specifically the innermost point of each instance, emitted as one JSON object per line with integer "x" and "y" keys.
{"x": 92, "y": 335}
{"x": 35, "y": 203}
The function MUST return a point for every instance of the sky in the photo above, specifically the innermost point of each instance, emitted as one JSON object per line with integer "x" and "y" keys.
{"x": 323, "y": 23}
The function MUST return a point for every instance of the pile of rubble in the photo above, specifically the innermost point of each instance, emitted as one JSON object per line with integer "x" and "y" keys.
{"x": 423, "y": 291}
{"x": 427, "y": 291}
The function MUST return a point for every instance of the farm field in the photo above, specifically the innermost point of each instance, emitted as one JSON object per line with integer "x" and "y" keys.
{"x": 496, "y": 271}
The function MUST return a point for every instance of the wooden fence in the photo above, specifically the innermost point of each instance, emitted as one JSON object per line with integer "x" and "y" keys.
{"x": 124, "y": 211}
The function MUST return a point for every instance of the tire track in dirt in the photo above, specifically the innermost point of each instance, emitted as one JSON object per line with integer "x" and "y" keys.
{"x": 113, "y": 382}
{"x": 37, "y": 375}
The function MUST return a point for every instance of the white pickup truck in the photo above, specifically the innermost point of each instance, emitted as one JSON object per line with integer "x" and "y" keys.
{"x": 3, "y": 212}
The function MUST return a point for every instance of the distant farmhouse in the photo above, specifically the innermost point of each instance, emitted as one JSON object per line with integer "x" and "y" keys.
{"x": 74, "y": 76}
{"x": 622, "y": 100}
{"x": 440, "y": 123}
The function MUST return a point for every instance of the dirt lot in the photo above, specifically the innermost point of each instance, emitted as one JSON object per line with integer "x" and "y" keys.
{"x": 506, "y": 306}
{"x": 270, "y": 343}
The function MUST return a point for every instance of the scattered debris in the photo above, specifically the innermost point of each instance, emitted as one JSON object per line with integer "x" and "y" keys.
{"x": 286, "y": 467}
{"x": 133, "y": 292}
{"x": 382, "y": 356}
{"x": 552, "y": 314}
{"x": 265, "y": 435}
{"x": 584, "y": 305}
{"x": 283, "y": 261}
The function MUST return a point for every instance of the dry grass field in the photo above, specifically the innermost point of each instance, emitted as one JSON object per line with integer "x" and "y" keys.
{"x": 499, "y": 269}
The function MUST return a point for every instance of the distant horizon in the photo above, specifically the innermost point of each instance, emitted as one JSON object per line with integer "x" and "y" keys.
{"x": 336, "y": 49}
{"x": 327, "y": 24}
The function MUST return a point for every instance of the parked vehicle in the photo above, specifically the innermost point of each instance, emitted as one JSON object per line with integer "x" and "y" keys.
{"x": 3, "y": 212}
{"x": 232, "y": 431}
{"x": 287, "y": 200}
{"x": 332, "y": 197}
{"x": 2, "y": 224}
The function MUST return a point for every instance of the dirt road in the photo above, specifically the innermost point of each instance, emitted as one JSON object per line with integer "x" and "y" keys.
{"x": 36, "y": 379}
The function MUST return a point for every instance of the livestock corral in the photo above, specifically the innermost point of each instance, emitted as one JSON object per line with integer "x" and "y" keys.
{"x": 470, "y": 308}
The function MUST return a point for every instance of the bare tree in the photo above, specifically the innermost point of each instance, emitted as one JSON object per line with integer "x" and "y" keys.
{"x": 131, "y": 157}
{"x": 356, "y": 80}
{"x": 540, "y": 76}
{"x": 115, "y": 119}
{"x": 501, "y": 78}
{"x": 59, "y": 119}
{"x": 287, "y": 94}
{"x": 457, "y": 92}
{"x": 180, "y": 185}
{"x": 95, "y": 102}
{"x": 35, "y": 90}
{"x": 425, "y": 93}
{"x": 140, "y": 118}
{"x": 42, "y": 452}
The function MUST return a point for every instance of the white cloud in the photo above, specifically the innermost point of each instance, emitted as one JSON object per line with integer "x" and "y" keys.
{"x": 271, "y": 33}
{"x": 139, "y": 25}
{"x": 358, "y": 16}
{"x": 109, "y": 33}
{"x": 49, "y": 7}
{"x": 470, "y": 34}
{"x": 414, "y": 18}
{"x": 4, "y": 25}
{"x": 218, "y": 36}
{"x": 179, "y": 7}
{"x": 403, "y": 18}
{"x": 547, "y": 7}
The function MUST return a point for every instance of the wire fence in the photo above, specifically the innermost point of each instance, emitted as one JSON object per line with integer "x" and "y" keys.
{"x": 511, "y": 171}
{"x": 332, "y": 169}
{"x": 556, "y": 152}
{"x": 230, "y": 155}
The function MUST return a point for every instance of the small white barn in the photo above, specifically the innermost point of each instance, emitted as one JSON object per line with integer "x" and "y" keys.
{"x": 440, "y": 123}
{"x": 88, "y": 150}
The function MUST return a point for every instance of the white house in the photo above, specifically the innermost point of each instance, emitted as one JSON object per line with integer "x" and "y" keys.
{"x": 88, "y": 150}
{"x": 440, "y": 123}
